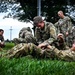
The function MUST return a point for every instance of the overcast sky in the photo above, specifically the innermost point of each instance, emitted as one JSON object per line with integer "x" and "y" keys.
{"x": 15, "y": 25}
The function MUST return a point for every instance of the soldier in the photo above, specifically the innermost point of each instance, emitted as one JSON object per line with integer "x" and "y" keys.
{"x": 64, "y": 25}
{"x": 73, "y": 33}
{"x": 71, "y": 37}
{"x": 59, "y": 43}
{"x": 45, "y": 31}
{"x": 43, "y": 51}
{"x": 2, "y": 43}
{"x": 25, "y": 36}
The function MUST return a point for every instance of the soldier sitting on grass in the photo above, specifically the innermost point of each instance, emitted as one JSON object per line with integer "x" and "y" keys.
{"x": 25, "y": 36}
{"x": 2, "y": 43}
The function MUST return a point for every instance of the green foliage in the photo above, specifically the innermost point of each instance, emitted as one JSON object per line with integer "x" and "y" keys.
{"x": 8, "y": 45}
{"x": 27, "y": 66}
{"x": 49, "y": 8}
{"x": 27, "y": 9}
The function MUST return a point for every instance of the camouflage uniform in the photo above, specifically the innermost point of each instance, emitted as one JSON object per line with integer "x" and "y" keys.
{"x": 73, "y": 33}
{"x": 25, "y": 36}
{"x": 48, "y": 34}
{"x": 31, "y": 49}
{"x": 64, "y": 25}
{"x": 1, "y": 38}
{"x": 71, "y": 36}
{"x": 2, "y": 42}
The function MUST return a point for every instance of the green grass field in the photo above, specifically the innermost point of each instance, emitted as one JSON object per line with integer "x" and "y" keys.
{"x": 8, "y": 45}
{"x": 33, "y": 66}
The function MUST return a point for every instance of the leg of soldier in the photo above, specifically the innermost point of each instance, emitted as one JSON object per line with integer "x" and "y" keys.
{"x": 67, "y": 55}
{"x": 30, "y": 39}
{"x": 19, "y": 40}
{"x": 17, "y": 51}
{"x": 23, "y": 50}
{"x": 25, "y": 40}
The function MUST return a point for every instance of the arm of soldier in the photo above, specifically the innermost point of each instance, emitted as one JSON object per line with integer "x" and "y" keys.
{"x": 53, "y": 31}
{"x": 2, "y": 39}
{"x": 69, "y": 23}
{"x": 43, "y": 45}
{"x": 56, "y": 24}
{"x": 59, "y": 54}
{"x": 2, "y": 42}
{"x": 37, "y": 34}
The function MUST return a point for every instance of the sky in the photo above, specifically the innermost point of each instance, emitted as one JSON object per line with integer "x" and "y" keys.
{"x": 12, "y": 27}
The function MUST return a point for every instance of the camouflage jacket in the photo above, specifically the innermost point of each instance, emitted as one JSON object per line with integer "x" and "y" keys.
{"x": 64, "y": 25}
{"x": 46, "y": 34}
{"x": 73, "y": 32}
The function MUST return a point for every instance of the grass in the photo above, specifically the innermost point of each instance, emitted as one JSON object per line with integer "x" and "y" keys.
{"x": 8, "y": 45}
{"x": 28, "y": 66}
{"x": 34, "y": 66}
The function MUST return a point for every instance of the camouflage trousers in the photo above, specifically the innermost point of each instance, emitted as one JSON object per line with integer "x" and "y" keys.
{"x": 24, "y": 49}
{"x": 31, "y": 49}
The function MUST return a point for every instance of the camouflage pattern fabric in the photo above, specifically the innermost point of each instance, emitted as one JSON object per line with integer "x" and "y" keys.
{"x": 23, "y": 31}
{"x": 25, "y": 36}
{"x": 45, "y": 34}
{"x": 73, "y": 33}
{"x": 71, "y": 37}
{"x": 23, "y": 49}
{"x": 64, "y": 25}
{"x": 2, "y": 42}
{"x": 31, "y": 49}
{"x": 1, "y": 38}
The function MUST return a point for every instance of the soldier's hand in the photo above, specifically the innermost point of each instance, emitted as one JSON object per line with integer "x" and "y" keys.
{"x": 67, "y": 33}
{"x": 49, "y": 47}
{"x": 41, "y": 45}
{"x": 73, "y": 47}
{"x": 60, "y": 35}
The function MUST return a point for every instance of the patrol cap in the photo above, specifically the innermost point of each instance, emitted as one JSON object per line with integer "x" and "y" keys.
{"x": 37, "y": 20}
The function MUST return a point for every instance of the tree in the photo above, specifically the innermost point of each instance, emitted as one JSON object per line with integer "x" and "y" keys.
{"x": 49, "y": 8}
{"x": 27, "y": 9}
